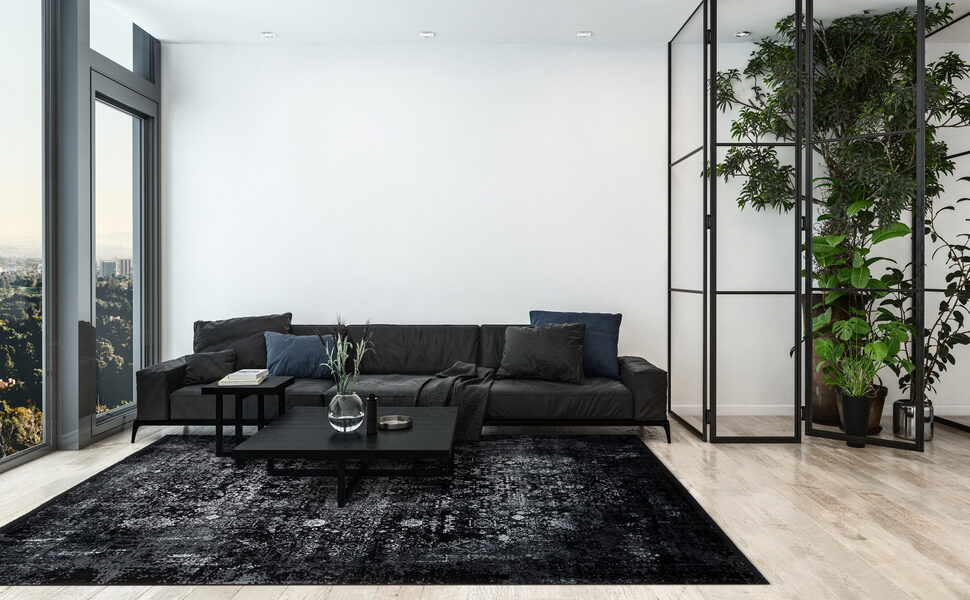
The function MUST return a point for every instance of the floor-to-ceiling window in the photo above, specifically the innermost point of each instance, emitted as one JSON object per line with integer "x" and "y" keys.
{"x": 117, "y": 155}
{"x": 22, "y": 403}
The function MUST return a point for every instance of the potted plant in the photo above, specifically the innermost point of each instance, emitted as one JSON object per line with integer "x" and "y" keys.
{"x": 949, "y": 329}
{"x": 344, "y": 357}
{"x": 851, "y": 361}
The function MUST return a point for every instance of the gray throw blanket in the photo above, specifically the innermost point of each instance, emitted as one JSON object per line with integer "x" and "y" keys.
{"x": 465, "y": 386}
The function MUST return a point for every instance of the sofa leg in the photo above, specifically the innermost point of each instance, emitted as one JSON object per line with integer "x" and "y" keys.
{"x": 666, "y": 427}
{"x": 134, "y": 431}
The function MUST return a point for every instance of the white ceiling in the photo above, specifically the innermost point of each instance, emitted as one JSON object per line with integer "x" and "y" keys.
{"x": 465, "y": 21}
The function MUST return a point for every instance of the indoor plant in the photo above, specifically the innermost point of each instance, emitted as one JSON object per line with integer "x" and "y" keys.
{"x": 864, "y": 83}
{"x": 344, "y": 357}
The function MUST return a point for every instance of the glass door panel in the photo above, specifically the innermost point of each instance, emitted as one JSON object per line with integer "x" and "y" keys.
{"x": 117, "y": 194}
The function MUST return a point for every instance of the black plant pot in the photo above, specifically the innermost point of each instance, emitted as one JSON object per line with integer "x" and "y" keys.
{"x": 855, "y": 416}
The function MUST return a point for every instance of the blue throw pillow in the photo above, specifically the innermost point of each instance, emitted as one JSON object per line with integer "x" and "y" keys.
{"x": 602, "y": 337}
{"x": 297, "y": 355}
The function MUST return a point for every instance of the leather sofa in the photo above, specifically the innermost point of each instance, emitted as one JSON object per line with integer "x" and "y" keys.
{"x": 405, "y": 356}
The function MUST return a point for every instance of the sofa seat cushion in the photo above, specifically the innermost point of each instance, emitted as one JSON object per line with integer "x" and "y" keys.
{"x": 188, "y": 402}
{"x": 391, "y": 390}
{"x": 598, "y": 398}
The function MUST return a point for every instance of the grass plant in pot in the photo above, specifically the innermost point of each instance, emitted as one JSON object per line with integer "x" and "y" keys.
{"x": 854, "y": 351}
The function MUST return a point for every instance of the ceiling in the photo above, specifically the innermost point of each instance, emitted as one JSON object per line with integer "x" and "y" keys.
{"x": 400, "y": 21}
{"x": 463, "y": 21}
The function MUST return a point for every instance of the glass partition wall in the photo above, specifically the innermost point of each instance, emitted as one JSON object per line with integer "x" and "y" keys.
{"x": 948, "y": 394}
{"x": 795, "y": 236}
{"x": 687, "y": 300}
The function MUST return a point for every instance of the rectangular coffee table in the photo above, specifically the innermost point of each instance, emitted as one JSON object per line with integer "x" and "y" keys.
{"x": 305, "y": 433}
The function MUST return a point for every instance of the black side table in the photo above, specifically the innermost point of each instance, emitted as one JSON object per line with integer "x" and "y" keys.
{"x": 272, "y": 386}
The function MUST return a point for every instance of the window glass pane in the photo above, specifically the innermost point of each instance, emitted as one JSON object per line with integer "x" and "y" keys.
{"x": 21, "y": 226}
{"x": 111, "y": 33}
{"x": 687, "y": 87}
{"x": 115, "y": 194}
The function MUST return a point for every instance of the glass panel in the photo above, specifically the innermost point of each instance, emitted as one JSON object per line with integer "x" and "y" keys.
{"x": 748, "y": 236}
{"x": 755, "y": 387}
{"x": 116, "y": 159}
{"x": 21, "y": 227}
{"x": 112, "y": 34}
{"x": 687, "y": 356}
{"x": 757, "y": 72}
{"x": 687, "y": 223}
{"x": 687, "y": 87}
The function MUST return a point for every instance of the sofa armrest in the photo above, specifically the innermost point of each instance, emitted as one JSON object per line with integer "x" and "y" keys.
{"x": 154, "y": 385}
{"x": 648, "y": 383}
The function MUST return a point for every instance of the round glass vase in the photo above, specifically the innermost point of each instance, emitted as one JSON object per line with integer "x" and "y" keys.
{"x": 346, "y": 412}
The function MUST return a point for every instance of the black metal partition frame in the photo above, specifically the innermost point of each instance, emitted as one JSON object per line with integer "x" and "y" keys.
{"x": 697, "y": 426}
{"x": 803, "y": 223}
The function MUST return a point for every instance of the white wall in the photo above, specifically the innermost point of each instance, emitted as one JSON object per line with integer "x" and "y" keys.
{"x": 414, "y": 184}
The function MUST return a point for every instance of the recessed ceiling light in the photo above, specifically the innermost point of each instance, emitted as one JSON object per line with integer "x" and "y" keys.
{"x": 584, "y": 34}
{"x": 742, "y": 34}
{"x": 427, "y": 34}
{"x": 268, "y": 35}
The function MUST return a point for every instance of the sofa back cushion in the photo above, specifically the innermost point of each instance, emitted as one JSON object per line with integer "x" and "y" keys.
{"x": 242, "y": 334}
{"x": 411, "y": 349}
{"x": 491, "y": 344}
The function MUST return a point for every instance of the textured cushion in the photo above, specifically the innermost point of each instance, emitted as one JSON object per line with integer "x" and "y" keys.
{"x": 599, "y": 346}
{"x": 391, "y": 390}
{"x": 598, "y": 398}
{"x": 551, "y": 352}
{"x": 206, "y": 367}
{"x": 243, "y": 334}
{"x": 298, "y": 355}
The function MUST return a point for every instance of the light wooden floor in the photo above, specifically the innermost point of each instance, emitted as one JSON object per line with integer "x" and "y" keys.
{"x": 818, "y": 519}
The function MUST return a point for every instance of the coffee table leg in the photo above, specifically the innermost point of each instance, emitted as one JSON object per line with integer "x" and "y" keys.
{"x": 341, "y": 484}
{"x": 219, "y": 451}
{"x": 281, "y": 409}
{"x": 261, "y": 407}
{"x": 239, "y": 416}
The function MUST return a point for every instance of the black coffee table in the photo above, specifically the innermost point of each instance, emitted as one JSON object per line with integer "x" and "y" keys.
{"x": 271, "y": 386}
{"x": 305, "y": 433}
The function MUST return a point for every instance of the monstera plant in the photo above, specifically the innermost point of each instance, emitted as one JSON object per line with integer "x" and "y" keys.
{"x": 864, "y": 84}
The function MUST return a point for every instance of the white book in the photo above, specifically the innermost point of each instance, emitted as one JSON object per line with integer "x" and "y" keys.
{"x": 248, "y": 375}
{"x": 230, "y": 382}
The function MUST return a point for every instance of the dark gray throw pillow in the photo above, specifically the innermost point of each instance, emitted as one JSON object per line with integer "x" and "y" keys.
{"x": 599, "y": 345}
{"x": 551, "y": 352}
{"x": 207, "y": 367}
{"x": 242, "y": 334}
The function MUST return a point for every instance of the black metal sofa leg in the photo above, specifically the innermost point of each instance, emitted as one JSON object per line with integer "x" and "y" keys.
{"x": 134, "y": 430}
{"x": 666, "y": 427}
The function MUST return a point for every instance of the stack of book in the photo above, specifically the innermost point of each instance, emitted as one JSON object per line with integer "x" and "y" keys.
{"x": 245, "y": 377}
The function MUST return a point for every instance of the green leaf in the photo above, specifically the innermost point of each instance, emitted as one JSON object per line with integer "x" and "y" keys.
{"x": 857, "y": 206}
{"x": 889, "y": 232}
{"x": 822, "y": 320}
{"x": 860, "y": 277}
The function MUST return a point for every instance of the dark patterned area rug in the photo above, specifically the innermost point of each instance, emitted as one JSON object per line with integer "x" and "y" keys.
{"x": 518, "y": 510}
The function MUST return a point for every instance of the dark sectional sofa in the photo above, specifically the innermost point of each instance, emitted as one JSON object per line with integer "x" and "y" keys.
{"x": 405, "y": 356}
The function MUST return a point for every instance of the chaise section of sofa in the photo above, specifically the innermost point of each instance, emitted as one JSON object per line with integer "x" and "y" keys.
{"x": 406, "y": 356}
